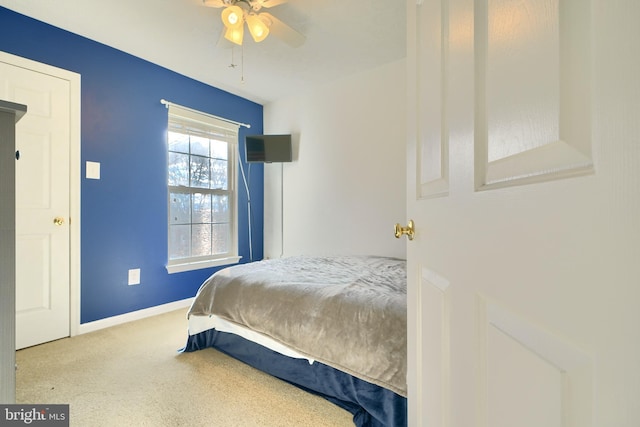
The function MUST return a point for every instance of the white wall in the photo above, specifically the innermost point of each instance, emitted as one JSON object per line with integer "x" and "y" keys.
{"x": 345, "y": 189}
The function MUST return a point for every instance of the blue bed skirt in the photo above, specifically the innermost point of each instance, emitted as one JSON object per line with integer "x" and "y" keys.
{"x": 371, "y": 405}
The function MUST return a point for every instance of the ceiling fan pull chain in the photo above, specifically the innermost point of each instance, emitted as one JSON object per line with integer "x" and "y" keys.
{"x": 242, "y": 64}
{"x": 232, "y": 65}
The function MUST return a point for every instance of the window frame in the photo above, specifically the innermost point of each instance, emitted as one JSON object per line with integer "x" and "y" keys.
{"x": 195, "y": 123}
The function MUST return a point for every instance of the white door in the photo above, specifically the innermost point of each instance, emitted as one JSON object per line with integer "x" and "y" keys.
{"x": 524, "y": 185}
{"x": 42, "y": 203}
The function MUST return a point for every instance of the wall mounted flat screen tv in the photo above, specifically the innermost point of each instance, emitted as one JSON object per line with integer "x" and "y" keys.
{"x": 268, "y": 148}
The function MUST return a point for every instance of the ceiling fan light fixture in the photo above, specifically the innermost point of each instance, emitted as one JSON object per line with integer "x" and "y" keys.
{"x": 258, "y": 27}
{"x": 235, "y": 35}
{"x": 232, "y": 17}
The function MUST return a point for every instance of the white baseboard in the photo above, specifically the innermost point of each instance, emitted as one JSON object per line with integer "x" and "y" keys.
{"x": 134, "y": 315}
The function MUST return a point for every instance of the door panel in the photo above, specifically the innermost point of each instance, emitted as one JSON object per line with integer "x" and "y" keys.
{"x": 522, "y": 277}
{"x": 42, "y": 194}
{"x": 532, "y": 126}
{"x": 35, "y": 248}
{"x": 435, "y": 297}
{"x": 549, "y": 375}
{"x": 432, "y": 147}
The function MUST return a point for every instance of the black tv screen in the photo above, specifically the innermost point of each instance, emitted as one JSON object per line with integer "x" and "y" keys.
{"x": 268, "y": 148}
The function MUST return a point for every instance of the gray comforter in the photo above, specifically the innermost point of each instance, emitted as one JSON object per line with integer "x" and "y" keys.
{"x": 347, "y": 312}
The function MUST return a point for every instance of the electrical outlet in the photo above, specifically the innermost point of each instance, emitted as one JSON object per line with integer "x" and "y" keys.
{"x": 134, "y": 276}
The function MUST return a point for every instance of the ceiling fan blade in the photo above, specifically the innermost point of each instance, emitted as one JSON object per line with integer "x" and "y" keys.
{"x": 214, "y": 3}
{"x": 272, "y": 3}
{"x": 284, "y": 32}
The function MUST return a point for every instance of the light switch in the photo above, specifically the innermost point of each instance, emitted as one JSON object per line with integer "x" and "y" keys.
{"x": 134, "y": 276}
{"x": 93, "y": 170}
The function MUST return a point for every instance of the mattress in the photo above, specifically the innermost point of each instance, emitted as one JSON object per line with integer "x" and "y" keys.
{"x": 346, "y": 312}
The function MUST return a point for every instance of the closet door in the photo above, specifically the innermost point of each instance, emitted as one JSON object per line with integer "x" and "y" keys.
{"x": 42, "y": 202}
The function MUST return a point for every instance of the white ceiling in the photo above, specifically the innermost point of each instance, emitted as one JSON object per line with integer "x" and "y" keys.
{"x": 342, "y": 37}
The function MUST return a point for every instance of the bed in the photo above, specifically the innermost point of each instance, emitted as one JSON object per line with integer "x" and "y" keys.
{"x": 332, "y": 325}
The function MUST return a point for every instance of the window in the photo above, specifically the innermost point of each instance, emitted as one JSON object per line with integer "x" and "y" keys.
{"x": 201, "y": 182}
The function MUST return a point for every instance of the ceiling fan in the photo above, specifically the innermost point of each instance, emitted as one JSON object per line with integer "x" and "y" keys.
{"x": 260, "y": 24}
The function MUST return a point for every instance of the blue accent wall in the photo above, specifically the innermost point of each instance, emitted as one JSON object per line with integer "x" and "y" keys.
{"x": 124, "y": 214}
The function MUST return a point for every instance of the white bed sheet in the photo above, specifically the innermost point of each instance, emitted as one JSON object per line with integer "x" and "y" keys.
{"x": 199, "y": 324}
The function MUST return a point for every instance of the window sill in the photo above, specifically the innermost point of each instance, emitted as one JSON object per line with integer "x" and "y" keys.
{"x": 189, "y": 266}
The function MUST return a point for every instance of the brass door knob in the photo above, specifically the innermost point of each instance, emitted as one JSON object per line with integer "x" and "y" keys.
{"x": 408, "y": 230}
{"x": 58, "y": 220}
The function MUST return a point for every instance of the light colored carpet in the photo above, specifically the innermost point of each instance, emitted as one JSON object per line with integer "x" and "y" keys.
{"x": 132, "y": 375}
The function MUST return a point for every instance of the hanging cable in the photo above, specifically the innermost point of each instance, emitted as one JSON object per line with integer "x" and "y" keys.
{"x": 249, "y": 214}
{"x": 281, "y": 210}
